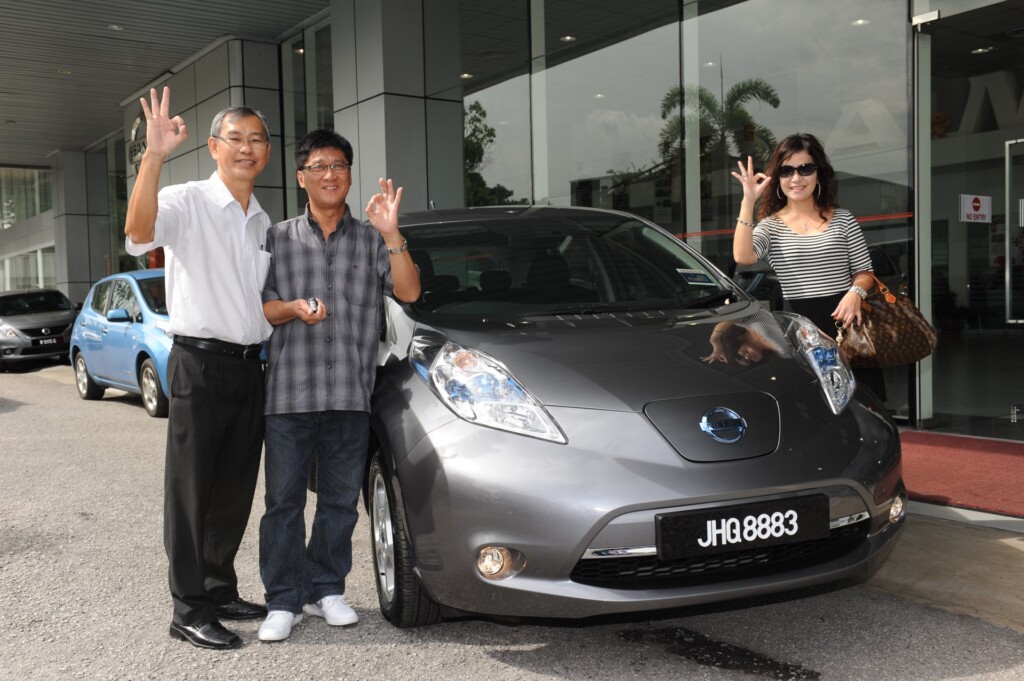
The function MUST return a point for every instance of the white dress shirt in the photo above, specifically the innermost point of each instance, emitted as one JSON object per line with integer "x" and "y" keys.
{"x": 215, "y": 261}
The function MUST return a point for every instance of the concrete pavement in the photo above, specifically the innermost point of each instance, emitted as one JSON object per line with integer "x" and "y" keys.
{"x": 960, "y": 561}
{"x": 957, "y": 560}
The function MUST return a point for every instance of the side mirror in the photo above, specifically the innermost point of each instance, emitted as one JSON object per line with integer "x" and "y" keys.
{"x": 118, "y": 314}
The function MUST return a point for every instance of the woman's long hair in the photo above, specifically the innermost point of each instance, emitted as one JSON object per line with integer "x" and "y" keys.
{"x": 824, "y": 193}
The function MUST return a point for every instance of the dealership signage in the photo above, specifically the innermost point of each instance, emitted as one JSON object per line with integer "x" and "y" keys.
{"x": 974, "y": 208}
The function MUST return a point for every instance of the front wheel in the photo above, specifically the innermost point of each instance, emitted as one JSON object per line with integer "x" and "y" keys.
{"x": 87, "y": 388}
{"x": 403, "y": 600}
{"x": 153, "y": 397}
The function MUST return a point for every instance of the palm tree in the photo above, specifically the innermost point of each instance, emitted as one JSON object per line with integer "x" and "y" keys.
{"x": 724, "y": 125}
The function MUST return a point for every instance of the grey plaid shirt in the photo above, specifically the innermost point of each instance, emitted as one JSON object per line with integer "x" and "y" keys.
{"x": 330, "y": 365}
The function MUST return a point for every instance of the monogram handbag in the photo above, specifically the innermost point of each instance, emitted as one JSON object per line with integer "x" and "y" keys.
{"x": 892, "y": 332}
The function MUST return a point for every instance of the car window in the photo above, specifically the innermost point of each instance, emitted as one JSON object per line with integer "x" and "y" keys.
{"x": 155, "y": 294}
{"x": 539, "y": 264}
{"x": 99, "y": 297}
{"x": 122, "y": 296}
{"x": 30, "y": 302}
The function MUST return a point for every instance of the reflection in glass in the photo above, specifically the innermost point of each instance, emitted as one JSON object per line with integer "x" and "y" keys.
{"x": 308, "y": 97}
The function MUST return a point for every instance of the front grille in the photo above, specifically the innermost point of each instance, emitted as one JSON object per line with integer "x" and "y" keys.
{"x": 650, "y": 572}
{"x": 55, "y": 330}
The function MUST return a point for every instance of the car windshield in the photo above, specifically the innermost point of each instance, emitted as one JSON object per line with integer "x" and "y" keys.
{"x": 546, "y": 265}
{"x": 155, "y": 294}
{"x": 33, "y": 301}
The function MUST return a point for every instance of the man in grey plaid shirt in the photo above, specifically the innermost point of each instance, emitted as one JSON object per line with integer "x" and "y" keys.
{"x": 320, "y": 373}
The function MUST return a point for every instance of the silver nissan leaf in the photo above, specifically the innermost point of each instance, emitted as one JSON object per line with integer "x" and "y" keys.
{"x": 582, "y": 416}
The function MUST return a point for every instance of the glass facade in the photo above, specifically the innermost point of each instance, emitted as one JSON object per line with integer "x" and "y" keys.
{"x": 24, "y": 193}
{"x": 647, "y": 106}
{"x": 28, "y": 270}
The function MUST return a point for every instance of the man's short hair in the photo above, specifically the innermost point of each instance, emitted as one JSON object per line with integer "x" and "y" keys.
{"x": 232, "y": 114}
{"x": 321, "y": 139}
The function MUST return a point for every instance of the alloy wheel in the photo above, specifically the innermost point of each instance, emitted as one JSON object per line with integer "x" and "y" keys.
{"x": 150, "y": 386}
{"x": 383, "y": 538}
{"x": 81, "y": 375}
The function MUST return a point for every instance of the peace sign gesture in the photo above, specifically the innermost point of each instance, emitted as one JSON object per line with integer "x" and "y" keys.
{"x": 753, "y": 183}
{"x": 163, "y": 133}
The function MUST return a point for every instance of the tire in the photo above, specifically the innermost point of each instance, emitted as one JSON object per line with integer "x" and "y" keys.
{"x": 153, "y": 397}
{"x": 87, "y": 388}
{"x": 403, "y": 600}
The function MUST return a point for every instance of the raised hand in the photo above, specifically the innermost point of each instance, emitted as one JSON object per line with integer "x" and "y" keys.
{"x": 382, "y": 209}
{"x": 753, "y": 183}
{"x": 163, "y": 133}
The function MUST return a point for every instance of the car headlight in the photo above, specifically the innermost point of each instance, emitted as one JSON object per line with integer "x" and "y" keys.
{"x": 479, "y": 389}
{"x": 7, "y": 331}
{"x": 823, "y": 356}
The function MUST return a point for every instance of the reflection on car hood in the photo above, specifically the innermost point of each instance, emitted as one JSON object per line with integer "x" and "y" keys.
{"x": 623, "y": 361}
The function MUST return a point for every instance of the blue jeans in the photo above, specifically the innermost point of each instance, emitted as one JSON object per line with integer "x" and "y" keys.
{"x": 294, "y": 574}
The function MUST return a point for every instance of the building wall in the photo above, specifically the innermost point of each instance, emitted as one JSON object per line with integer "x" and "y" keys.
{"x": 232, "y": 73}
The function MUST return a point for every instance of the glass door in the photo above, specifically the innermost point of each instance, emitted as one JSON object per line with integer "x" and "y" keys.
{"x": 970, "y": 217}
{"x": 1008, "y": 246}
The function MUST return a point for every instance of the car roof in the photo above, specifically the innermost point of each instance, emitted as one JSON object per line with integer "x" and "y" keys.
{"x": 503, "y": 212}
{"x": 136, "y": 274}
{"x": 22, "y": 291}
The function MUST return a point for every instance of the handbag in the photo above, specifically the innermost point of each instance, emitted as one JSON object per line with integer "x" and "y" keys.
{"x": 892, "y": 332}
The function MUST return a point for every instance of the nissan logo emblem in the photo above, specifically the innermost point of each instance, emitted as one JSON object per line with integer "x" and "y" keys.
{"x": 723, "y": 425}
{"x": 46, "y": 332}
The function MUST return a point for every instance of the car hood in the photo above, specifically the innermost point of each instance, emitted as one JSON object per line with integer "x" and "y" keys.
{"x": 37, "y": 319}
{"x": 624, "y": 362}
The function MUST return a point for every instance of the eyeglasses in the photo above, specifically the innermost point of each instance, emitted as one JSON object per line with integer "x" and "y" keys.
{"x": 320, "y": 169}
{"x": 238, "y": 142}
{"x": 803, "y": 170}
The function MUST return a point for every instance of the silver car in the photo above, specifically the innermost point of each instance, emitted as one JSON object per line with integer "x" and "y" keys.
{"x": 582, "y": 416}
{"x": 34, "y": 324}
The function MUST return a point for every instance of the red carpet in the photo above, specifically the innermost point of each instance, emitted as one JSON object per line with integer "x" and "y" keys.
{"x": 966, "y": 472}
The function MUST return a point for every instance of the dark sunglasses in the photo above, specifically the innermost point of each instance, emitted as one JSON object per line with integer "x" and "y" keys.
{"x": 803, "y": 170}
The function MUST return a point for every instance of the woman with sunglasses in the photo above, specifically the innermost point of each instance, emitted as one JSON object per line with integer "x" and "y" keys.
{"x": 816, "y": 248}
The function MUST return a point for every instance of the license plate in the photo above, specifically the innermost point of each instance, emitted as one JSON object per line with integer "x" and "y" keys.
{"x": 768, "y": 523}
{"x": 49, "y": 341}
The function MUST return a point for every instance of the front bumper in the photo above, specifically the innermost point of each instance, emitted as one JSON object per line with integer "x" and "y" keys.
{"x": 464, "y": 487}
{"x": 17, "y": 349}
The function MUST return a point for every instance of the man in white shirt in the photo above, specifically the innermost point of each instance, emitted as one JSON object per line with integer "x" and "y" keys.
{"x": 213, "y": 232}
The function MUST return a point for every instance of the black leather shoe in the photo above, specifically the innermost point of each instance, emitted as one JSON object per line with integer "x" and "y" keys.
{"x": 210, "y": 635}
{"x": 240, "y": 610}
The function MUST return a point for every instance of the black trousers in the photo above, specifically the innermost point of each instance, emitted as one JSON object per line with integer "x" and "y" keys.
{"x": 819, "y": 311}
{"x": 214, "y": 440}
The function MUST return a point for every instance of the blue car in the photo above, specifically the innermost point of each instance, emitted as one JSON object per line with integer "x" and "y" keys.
{"x": 119, "y": 339}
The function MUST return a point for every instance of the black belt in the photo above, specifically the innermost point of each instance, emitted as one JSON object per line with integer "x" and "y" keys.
{"x": 221, "y": 347}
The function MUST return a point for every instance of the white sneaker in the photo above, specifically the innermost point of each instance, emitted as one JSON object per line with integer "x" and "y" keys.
{"x": 278, "y": 625}
{"x": 334, "y": 609}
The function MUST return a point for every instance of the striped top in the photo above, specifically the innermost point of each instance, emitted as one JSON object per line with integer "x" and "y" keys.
{"x": 816, "y": 264}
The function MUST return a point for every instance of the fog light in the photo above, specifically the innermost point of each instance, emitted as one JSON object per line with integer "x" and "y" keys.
{"x": 494, "y": 562}
{"x": 897, "y": 508}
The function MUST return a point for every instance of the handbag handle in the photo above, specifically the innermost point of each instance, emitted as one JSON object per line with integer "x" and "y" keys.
{"x": 882, "y": 288}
